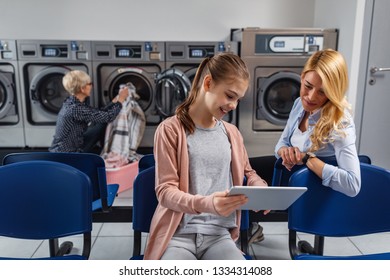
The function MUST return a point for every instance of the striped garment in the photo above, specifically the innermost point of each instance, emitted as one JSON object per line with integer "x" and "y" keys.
{"x": 124, "y": 135}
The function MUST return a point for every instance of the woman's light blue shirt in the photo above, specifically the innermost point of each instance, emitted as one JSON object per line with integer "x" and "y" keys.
{"x": 345, "y": 177}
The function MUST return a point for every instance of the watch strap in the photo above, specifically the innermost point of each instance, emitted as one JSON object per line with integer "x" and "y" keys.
{"x": 307, "y": 156}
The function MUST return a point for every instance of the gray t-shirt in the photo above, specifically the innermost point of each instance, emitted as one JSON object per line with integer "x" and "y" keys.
{"x": 210, "y": 171}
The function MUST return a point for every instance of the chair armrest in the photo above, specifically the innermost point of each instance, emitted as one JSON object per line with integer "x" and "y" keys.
{"x": 112, "y": 190}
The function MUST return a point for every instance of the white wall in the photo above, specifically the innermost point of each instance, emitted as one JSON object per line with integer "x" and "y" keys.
{"x": 341, "y": 15}
{"x": 146, "y": 20}
{"x": 166, "y": 20}
{"x": 363, "y": 24}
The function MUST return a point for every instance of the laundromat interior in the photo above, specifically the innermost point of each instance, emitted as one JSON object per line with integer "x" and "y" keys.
{"x": 151, "y": 41}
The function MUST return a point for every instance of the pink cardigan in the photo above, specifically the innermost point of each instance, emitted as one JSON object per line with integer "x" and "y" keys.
{"x": 172, "y": 181}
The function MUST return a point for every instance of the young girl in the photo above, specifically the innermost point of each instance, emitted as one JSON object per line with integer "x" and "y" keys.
{"x": 321, "y": 124}
{"x": 72, "y": 131}
{"x": 198, "y": 158}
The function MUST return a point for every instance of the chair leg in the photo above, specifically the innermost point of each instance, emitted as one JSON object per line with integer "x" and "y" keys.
{"x": 292, "y": 243}
{"x": 244, "y": 241}
{"x": 53, "y": 247}
{"x": 319, "y": 242}
{"x": 137, "y": 243}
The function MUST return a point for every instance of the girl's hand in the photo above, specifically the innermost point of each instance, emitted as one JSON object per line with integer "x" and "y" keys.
{"x": 225, "y": 205}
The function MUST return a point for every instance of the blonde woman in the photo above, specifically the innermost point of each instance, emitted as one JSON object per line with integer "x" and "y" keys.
{"x": 321, "y": 125}
{"x": 79, "y": 126}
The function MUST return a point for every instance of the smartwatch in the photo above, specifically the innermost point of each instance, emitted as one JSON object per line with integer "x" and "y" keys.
{"x": 307, "y": 156}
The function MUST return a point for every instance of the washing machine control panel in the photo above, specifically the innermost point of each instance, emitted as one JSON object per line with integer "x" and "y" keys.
{"x": 130, "y": 51}
{"x": 208, "y": 50}
{"x": 197, "y": 51}
{"x": 127, "y": 51}
{"x": 59, "y": 50}
{"x": 201, "y": 51}
{"x": 288, "y": 43}
{"x": 49, "y": 51}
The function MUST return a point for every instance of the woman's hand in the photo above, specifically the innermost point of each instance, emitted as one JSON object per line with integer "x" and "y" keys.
{"x": 290, "y": 156}
{"x": 122, "y": 96}
{"x": 225, "y": 205}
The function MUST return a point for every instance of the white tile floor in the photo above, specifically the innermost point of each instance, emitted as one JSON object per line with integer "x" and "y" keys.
{"x": 114, "y": 241}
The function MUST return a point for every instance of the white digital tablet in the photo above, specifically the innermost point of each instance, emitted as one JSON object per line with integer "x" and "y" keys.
{"x": 268, "y": 198}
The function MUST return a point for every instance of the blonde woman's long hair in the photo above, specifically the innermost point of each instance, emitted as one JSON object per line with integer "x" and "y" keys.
{"x": 332, "y": 68}
{"x": 223, "y": 67}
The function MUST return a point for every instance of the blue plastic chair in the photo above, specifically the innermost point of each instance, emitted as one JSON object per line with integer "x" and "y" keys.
{"x": 324, "y": 212}
{"x": 141, "y": 223}
{"x": 144, "y": 205}
{"x": 145, "y": 162}
{"x": 282, "y": 176}
{"x": 45, "y": 200}
{"x": 91, "y": 164}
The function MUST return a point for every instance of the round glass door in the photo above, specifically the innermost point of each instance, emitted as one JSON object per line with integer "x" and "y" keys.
{"x": 172, "y": 89}
{"x": 46, "y": 87}
{"x": 142, "y": 88}
{"x": 276, "y": 96}
{"x": 6, "y": 96}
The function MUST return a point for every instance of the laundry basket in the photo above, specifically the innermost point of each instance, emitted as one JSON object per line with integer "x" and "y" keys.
{"x": 124, "y": 175}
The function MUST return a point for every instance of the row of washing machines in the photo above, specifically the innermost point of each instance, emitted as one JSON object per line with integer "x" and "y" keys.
{"x": 31, "y": 71}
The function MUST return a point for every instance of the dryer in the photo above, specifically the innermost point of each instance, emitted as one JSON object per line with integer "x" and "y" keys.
{"x": 183, "y": 59}
{"x": 275, "y": 58}
{"x": 141, "y": 63}
{"x": 11, "y": 120}
{"x": 42, "y": 65}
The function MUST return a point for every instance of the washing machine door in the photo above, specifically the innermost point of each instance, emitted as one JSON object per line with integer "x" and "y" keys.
{"x": 7, "y": 95}
{"x": 138, "y": 77}
{"x": 46, "y": 88}
{"x": 276, "y": 96}
{"x": 191, "y": 73}
{"x": 172, "y": 88}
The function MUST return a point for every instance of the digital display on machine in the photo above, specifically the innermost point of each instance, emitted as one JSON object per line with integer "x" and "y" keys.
{"x": 54, "y": 50}
{"x": 123, "y": 53}
{"x": 197, "y": 53}
{"x": 50, "y": 52}
{"x": 128, "y": 51}
{"x": 279, "y": 44}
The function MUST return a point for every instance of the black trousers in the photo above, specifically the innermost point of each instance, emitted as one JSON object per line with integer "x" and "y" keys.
{"x": 93, "y": 136}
